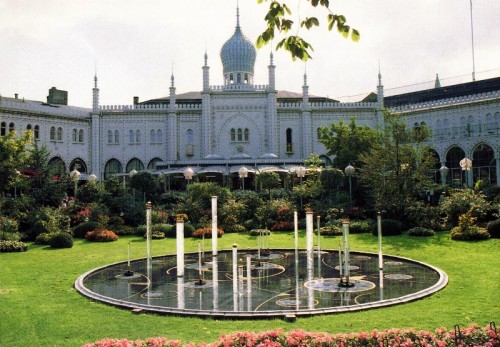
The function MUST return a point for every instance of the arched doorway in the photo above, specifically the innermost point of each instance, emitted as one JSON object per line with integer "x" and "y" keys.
{"x": 152, "y": 165}
{"x": 57, "y": 166}
{"x": 112, "y": 167}
{"x": 78, "y": 164}
{"x": 453, "y": 157}
{"x": 134, "y": 164}
{"x": 484, "y": 164}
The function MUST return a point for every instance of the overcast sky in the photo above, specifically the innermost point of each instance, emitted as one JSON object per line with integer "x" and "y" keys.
{"x": 136, "y": 45}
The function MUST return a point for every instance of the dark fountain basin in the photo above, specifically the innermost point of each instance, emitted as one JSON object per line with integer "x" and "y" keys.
{"x": 280, "y": 284}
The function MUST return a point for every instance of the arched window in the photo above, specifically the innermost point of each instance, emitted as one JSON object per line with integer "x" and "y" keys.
{"x": 138, "y": 136}
{"x": 12, "y": 127}
{"x": 53, "y": 133}
{"x": 28, "y": 127}
{"x": 484, "y": 167}
{"x": 153, "y": 163}
{"x": 246, "y": 135}
{"x": 112, "y": 167}
{"x": 233, "y": 135}
{"x": 152, "y": 135}
{"x": 117, "y": 136}
{"x": 3, "y": 128}
{"x": 190, "y": 137}
{"x": 131, "y": 136}
{"x": 453, "y": 157}
{"x": 231, "y": 78}
{"x": 240, "y": 135}
{"x": 57, "y": 166}
{"x": 159, "y": 136}
{"x": 246, "y": 78}
{"x": 59, "y": 134}
{"x": 135, "y": 164}
{"x": 37, "y": 132}
{"x": 74, "y": 136}
{"x": 78, "y": 164}
{"x": 80, "y": 135}
{"x": 110, "y": 136}
{"x": 289, "y": 144}
{"x": 318, "y": 133}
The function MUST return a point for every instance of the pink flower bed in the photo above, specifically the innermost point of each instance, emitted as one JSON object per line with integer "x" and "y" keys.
{"x": 471, "y": 336}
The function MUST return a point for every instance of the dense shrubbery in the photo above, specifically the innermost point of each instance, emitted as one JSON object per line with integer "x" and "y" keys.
{"x": 207, "y": 231}
{"x": 361, "y": 226}
{"x": 471, "y": 336}
{"x": 43, "y": 239}
{"x": 80, "y": 230}
{"x": 460, "y": 201}
{"x": 60, "y": 240}
{"x": 421, "y": 215}
{"x": 101, "y": 235}
{"x": 493, "y": 228}
{"x": 420, "y": 231}
{"x": 390, "y": 227}
{"x": 13, "y": 246}
{"x": 330, "y": 230}
{"x": 259, "y": 232}
{"x": 467, "y": 230}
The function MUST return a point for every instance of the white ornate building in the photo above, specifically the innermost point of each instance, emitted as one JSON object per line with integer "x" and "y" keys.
{"x": 221, "y": 128}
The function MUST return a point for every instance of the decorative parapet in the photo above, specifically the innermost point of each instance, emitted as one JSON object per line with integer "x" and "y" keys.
{"x": 240, "y": 87}
{"x": 37, "y": 107}
{"x": 447, "y": 102}
{"x": 152, "y": 107}
{"x": 328, "y": 105}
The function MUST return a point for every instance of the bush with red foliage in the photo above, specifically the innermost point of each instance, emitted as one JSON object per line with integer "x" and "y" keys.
{"x": 101, "y": 235}
{"x": 207, "y": 231}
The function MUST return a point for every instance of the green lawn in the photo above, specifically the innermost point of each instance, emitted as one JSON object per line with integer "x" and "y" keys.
{"x": 40, "y": 307}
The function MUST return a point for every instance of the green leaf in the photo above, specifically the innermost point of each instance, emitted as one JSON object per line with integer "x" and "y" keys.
{"x": 355, "y": 35}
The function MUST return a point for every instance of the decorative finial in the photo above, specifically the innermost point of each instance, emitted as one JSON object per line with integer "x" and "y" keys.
{"x": 237, "y": 14}
{"x": 172, "y": 76}
{"x": 95, "y": 75}
{"x": 206, "y": 57}
{"x": 271, "y": 57}
{"x": 379, "y": 74}
{"x": 437, "y": 83}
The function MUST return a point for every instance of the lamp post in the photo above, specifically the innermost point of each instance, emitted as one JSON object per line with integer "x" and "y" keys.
{"x": 188, "y": 174}
{"x": 75, "y": 177}
{"x": 243, "y": 172}
{"x": 92, "y": 178}
{"x": 301, "y": 172}
{"x": 15, "y": 182}
{"x": 130, "y": 175}
{"x": 443, "y": 170}
{"x": 349, "y": 171}
{"x": 466, "y": 165}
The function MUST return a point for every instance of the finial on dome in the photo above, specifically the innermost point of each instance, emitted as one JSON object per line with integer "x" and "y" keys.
{"x": 206, "y": 58}
{"x": 437, "y": 83}
{"x": 237, "y": 14}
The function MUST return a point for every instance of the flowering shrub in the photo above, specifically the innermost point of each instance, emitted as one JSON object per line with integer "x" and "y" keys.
{"x": 207, "y": 231}
{"x": 101, "y": 235}
{"x": 471, "y": 336}
{"x": 467, "y": 229}
{"x": 282, "y": 225}
{"x": 13, "y": 246}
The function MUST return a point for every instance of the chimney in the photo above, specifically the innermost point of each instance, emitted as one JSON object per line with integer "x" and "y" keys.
{"x": 16, "y": 96}
{"x": 136, "y": 100}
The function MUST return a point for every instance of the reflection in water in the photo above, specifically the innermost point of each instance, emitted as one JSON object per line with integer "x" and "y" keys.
{"x": 284, "y": 280}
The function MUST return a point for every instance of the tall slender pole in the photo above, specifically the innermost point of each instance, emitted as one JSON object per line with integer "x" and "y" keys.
{"x": 214, "y": 225}
{"x": 380, "y": 258}
{"x": 472, "y": 37}
{"x": 180, "y": 245}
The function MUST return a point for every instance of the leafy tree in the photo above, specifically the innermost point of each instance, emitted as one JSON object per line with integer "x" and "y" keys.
{"x": 395, "y": 169}
{"x": 144, "y": 182}
{"x": 269, "y": 180}
{"x": 347, "y": 141}
{"x": 41, "y": 187}
{"x": 279, "y": 18}
{"x": 13, "y": 155}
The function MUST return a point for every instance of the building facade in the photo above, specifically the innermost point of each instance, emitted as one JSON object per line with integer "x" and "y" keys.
{"x": 222, "y": 128}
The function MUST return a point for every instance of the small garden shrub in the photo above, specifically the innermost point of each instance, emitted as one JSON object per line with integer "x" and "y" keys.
{"x": 282, "y": 226}
{"x": 82, "y": 229}
{"x": 493, "y": 228}
{"x": 207, "y": 231}
{"x": 61, "y": 240}
{"x": 467, "y": 230}
{"x": 258, "y": 232}
{"x": 420, "y": 231}
{"x": 172, "y": 231}
{"x": 330, "y": 230}
{"x": 43, "y": 239}
{"x": 360, "y": 226}
{"x": 13, "y": 246}
{"x": 101, "y": 236}
{"x": 390, "y": 227}
{"x": 140, "y": 230}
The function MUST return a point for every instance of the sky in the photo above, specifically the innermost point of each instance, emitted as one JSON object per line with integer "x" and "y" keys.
{"x": 135, "y": 46}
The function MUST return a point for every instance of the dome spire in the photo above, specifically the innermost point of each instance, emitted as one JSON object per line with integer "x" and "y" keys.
{"x": 237, "y": 14}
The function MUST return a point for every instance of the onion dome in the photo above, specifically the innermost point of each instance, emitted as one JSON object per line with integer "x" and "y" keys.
{"x": 238, "y": 56}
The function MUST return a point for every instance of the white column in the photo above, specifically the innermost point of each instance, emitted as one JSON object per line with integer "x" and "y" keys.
{"x": 309, "y": 231}
{"x": 214, "y": 225}
{"x": 235, "y": 277}
{"x": 180, "y": 246}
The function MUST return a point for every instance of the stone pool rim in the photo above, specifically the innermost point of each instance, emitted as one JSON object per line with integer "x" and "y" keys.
{"x": 229, "y": 314}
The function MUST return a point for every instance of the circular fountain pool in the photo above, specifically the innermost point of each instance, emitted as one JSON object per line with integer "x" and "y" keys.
{"x": 281, "y": 283}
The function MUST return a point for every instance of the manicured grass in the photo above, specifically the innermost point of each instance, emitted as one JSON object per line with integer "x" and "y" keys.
{"x": 40, "y": 307}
